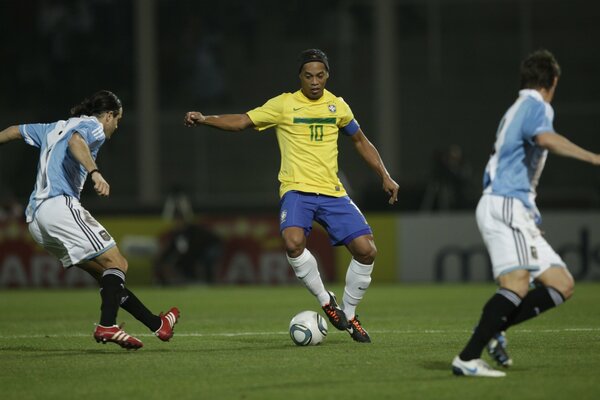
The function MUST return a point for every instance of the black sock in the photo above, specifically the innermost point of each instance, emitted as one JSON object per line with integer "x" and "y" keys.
{"x": 131, "y": 304}
{"x": 111, "y": 287}
{"x": 540, "y": 299}
{"x": 495, "y": 314}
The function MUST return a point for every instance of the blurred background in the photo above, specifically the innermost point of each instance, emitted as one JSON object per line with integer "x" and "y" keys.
{"x": 428, "y": 80}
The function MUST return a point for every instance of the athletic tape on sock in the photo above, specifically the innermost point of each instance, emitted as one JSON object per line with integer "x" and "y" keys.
{"x": 556, "y": 296}
{"x": 510, "y": 295}
{"x": 116, "y": 272}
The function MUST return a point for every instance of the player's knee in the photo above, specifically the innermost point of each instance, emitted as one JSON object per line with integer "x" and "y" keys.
{"x": 123, "y": 265}
{"x": 113, "y": 259}
{"x": 366, "y": 254}
{"x": 566, "y": 287}
{"x": 560, "y": 280}
{"x": 294, "y": 250}
{"x": 294, "y": 244}
{"x": 516, "y": 281}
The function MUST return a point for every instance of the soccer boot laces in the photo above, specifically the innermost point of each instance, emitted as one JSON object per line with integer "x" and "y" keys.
{"x": 335, "y": 313}
{"x": 357, "y": 332}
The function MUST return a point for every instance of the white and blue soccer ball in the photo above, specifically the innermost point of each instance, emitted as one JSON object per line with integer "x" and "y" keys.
{"x": 308, "y": 328}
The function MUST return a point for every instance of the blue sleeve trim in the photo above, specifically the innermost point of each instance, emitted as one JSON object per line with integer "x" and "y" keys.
{"x": 351, "y": 128}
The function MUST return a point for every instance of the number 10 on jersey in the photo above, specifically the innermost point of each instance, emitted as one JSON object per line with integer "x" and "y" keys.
{"x": 316, "y": 133}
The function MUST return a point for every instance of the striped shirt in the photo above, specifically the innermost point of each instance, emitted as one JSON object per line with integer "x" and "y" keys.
{"x": 515, "y": 166}
{"x": 59, "y": 173}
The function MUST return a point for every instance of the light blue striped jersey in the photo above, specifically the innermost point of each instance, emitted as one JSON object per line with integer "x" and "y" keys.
{"x": 58, "y": 171}
{"x": 516, "y": 164}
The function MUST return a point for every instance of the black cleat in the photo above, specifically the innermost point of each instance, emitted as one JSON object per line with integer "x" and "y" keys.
{"x": 358, "y": 333}
{"x": 497, "y": 350}
{"x": 335, "y": 313}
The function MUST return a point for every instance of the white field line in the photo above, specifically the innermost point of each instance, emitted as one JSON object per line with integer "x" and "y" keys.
{"x": 238, "y": 334}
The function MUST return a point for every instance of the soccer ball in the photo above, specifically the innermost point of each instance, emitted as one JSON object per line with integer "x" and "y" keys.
{"x": 308, "y": 328}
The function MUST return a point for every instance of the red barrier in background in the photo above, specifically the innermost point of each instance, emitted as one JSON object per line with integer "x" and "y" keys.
{"x": 250, "y": 251}
{"x": 254, "y": 252}
{"x": 24, "y": 264}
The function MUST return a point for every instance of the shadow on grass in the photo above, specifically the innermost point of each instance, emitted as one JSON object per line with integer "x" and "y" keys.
{"x": 437, "y": 365}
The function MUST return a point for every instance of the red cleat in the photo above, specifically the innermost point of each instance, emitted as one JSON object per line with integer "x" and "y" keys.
{"x": 114, "y": 334}
{"x": 168, "y": 321}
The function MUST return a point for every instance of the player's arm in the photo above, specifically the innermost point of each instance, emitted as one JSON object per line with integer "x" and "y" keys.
{"x": 562, "y": 146}
{"x": 81, "y": 152}
{"x": 226, "y": 122}
{"x": 9, "y": 134}
{"x": 370, "y": 154}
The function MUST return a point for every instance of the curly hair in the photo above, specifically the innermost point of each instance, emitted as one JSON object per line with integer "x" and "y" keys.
{"x": 538, "y": 70}
{"x": 98, "y": 103}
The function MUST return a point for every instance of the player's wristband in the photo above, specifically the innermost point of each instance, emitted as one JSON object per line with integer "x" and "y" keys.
{"x": 92, "y": 171}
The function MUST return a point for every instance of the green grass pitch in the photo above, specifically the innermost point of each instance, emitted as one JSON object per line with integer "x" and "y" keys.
{"x": 232, "y": 343}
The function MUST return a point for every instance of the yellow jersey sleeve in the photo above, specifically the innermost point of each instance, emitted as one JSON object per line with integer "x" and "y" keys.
{"x": 345, "y": 113}
{"x": 269, "y": 114}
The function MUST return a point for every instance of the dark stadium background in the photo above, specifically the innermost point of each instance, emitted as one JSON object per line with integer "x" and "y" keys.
{"x": 420, "y": 76}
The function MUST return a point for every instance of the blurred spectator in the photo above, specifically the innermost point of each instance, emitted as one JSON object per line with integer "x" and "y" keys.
{"x": 448, "y": 189}
{"x": 189, "y": 254}
{"x": 10, "y": 209}
{"x": 189, "y": 251}
{"x": 178, "y": 205}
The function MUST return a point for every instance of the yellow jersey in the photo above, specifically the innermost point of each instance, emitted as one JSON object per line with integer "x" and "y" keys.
{"x": 307, "y": 133}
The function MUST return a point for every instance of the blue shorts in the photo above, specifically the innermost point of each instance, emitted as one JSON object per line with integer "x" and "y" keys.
{"x": 340, "y": 217}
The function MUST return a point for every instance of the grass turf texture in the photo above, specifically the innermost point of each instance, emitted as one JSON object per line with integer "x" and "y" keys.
{"x": 232, "y": 343}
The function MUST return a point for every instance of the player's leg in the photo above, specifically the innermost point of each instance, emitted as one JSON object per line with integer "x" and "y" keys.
{"x": 112, "y": 284}
{"x": 554, "y": 285}
{"x": 69, "y": 231}
{"x": 358, "y": 279}
{"x": 306, "y": 269}
{"x": 358, "y": 274}
{"x": 127, "y": 300}
{"x": 553, "y": 288}
{"x": 162, "y": 324}
{"x": 303, "y": 262}
{"x": 347, "y": 226}
{"x": 496, "y": 311}
{"x": 502, "y": 225}
{"x": 296, "y": 217}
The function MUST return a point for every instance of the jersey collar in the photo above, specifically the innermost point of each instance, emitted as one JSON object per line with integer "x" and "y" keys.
{"x": 531, "y": 93}
{"x": 305, "y": 99}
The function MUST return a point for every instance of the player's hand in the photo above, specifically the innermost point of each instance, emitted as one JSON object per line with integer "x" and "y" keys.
{"x": 100, "y": 185}
{"x": 193, "y": 118}
{"x": 391, "y": 187}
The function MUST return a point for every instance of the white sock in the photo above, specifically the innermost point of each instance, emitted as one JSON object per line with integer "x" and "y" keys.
{"x": 358, "y": 278}
{"x": 306, "y": 269}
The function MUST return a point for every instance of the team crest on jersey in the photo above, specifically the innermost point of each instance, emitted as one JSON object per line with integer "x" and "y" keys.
{"x": 534, "y": 252}
{"x": 104, "y": 236}
{"x": 283, "y": 216}
{"x": 332, "y": 108}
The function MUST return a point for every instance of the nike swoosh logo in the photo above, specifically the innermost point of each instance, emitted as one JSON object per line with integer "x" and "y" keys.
{"x": 472, "y": 370}
{"x": 360, "y": 288}
{"x": 296, "y": 109}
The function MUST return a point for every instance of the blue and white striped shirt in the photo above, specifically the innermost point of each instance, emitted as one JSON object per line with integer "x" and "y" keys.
{"x": 59, "y": 173}
{"x": 515, "y": 167}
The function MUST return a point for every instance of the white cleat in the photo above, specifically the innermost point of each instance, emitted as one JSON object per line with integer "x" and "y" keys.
{"x": 476, "y": 367}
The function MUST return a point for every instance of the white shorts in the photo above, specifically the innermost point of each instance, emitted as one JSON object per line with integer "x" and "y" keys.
{"x": 67, "y": 230}
{"x": 512, "y": 237}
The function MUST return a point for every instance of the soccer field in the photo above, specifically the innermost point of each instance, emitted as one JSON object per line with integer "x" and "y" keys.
{"x": 232, "y": 343}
